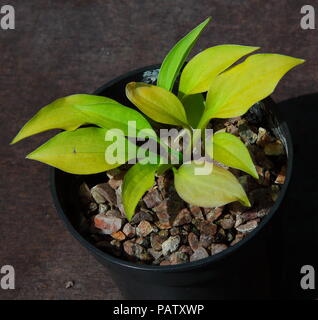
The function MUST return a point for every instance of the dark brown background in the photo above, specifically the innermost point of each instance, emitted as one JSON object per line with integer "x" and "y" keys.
{"x": 64, "y": 47}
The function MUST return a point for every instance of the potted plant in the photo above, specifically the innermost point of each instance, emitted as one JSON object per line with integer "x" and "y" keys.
{"x": 185, "y": 213}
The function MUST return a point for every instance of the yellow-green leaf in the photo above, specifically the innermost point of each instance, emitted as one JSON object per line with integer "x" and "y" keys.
{"x": 138, "y": 179}
{"x": 194, "y": 106}
{"x": 231, "y": 151}
{"x": 157, "y": 103}
{"x": 114, "y": 115}
{"x": 175, "y": 59}
{"x": 236, "y": 90}
{"x": 78, "y": 152}
{"x": 215, "y": 189}
{"x": 60, "y": 114}
{"x": 202, "y": 69}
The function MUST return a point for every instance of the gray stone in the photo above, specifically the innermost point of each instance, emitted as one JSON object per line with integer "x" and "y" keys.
{"x": 170, "y": 245}
{"x": 247, "y": 135}
{"x": 141, "y": 215}
{"x": 119, "y": 201}
{"x": 199, "y": 254}
{"x": 113, "y": 213}
{"x": 104, "y": 193}
{"x": 248, "y": 227}
{"x": 217, "y": 248}
{"x": 103, "y": 208}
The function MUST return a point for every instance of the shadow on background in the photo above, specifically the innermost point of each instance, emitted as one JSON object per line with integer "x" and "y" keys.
{"x": 300, "y": 217}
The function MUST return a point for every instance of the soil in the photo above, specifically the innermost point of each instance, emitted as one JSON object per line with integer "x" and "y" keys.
{"x": 166, "y": 230}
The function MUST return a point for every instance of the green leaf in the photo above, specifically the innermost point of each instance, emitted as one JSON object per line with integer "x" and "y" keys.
{"x": 138, "y": 179}
{"x": 215, "y": 189}
{"x": 78, "y": 152}
{"x": 194, "y": 106}
{"x": 157, "y": 103}
{"x": 60, "y": 114}
{"x": 236, "y": 90}
{"x": 202, "y": 69}
{"x": 175, "y": 59}
{"x": 231, "y": 151}
{"x": 114, "y": 115}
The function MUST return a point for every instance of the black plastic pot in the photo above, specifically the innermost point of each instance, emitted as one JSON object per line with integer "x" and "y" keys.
{"x": 249, "y": 269}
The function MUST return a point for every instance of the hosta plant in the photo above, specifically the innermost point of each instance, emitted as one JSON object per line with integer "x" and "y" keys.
{"x": 209, "y": 86}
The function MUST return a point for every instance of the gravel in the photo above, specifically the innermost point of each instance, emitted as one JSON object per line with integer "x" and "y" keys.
{"x": 165, "y": 230}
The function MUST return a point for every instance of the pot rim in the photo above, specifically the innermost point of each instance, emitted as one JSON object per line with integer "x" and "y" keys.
{"x": 188, "y": 265}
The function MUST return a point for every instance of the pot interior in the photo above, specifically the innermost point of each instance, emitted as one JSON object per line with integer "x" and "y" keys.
{"x": 65, "y": 186}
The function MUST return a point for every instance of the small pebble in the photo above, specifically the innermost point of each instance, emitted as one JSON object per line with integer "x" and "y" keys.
{"x": 141, "y": 215}
{"x": 156, "y": 254}
{"x": 208, "y": 228}
{"x": 238, "y": 238}
{"x": 274, "y": 149}
{"x": 107, "y": 224}
{"x": 178, "y": 257}
{"x": 93, "y": 206}
{"x": 143, "y": 241}
{"x": 247, "y": 227}
{"x": 199, "y": 254}
{"x": 217, "y": 248}
{"x": 69, "y": 284}
{"x": 214, "y": 214}
{"x": 129, "y": 247}
{"x": 227, "y": 222}
{"x": 129, "y": 230}
{"x": 174, "y": 231}
{"x": 196, "y": 212}
{"x": 156, "y": 241}
{"x": 183, "y": 217}
{"x": 152, "y": 198}
{"x": 144, "y": 228}
{"x": 186, "y": 249}
{"x": 170, "y": 245}
{"x": 281, "y": 176}
{"x": 119, "y": 235}
{"x": 247, "y": 135}
{"x": 103, "y": 208}
{"x": 193, "y": 241}
{"x": 104, "y": 193}
{"x": 263, "y": 137}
